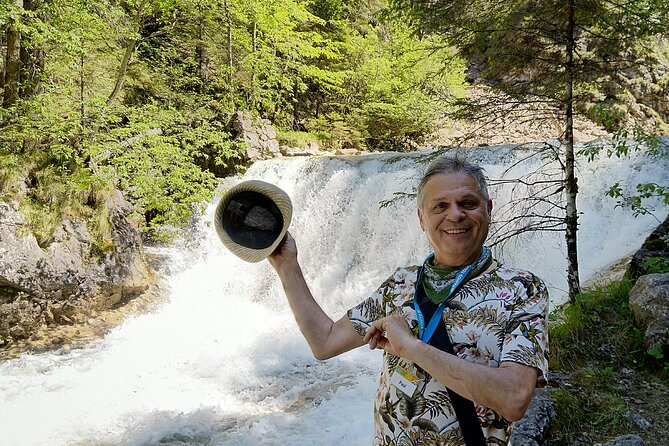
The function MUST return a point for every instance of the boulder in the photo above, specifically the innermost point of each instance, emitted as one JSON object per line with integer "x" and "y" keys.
{"x": 532, "y": 429}
{"x": 655, "y": 245}
{"x": 649, "y": 302}
{"x": 259, "y": 136}
{"x": 71, "y": 276}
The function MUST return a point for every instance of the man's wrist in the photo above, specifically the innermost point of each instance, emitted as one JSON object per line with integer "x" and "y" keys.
{"x": 288, "y": 269}
{"x": 412, "y": 350}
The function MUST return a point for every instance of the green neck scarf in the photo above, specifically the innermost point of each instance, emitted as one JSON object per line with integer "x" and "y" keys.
{"x": 437, "y": 281}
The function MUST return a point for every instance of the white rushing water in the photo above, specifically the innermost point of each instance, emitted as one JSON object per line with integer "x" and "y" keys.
{"x": 223, "y": 363}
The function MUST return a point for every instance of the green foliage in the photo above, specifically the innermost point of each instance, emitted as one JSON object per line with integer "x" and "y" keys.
{"x": 625, "y": 143}
{"x": 531, "y": 51}
{"x": 600, "y": 328}
{"x": 574, "y": 333}
{"x": 396, "y": 126}
{"x": 656, "y": 352}
{"x": 152, "y": 158}
{"x": 141, "y": 97}
{"x": 654, "y": 265}
{"x": 606, "y": 115}
{"x": 299, "y": 139}
{"x": 595, "y": 341}
{"x": 399, "y": 86}
{"x": 586, "y": 412}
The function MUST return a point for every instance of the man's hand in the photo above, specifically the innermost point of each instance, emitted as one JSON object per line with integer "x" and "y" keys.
{"x": 284, "y": 254}
{"x": 391, "y": 334}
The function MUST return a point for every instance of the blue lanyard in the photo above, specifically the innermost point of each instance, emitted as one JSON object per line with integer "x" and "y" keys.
{"x": 426, "y": 334}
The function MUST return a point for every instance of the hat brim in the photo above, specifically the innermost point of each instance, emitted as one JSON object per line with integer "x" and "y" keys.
{"x": 266, "y": 191}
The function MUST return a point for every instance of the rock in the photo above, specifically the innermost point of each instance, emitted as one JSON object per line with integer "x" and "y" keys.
{"x": 311, "y": 149}
{"x": 649, "y": 302}
{"x": 533, "y": 428}
{"x": 655, "y": 245}
{"x": 258, "y": 135}
{"x": 638, "y": 420}
{"x": 624, "y": 440}
{"x": 347, "y": 152}
{"x": 68, "y": 277}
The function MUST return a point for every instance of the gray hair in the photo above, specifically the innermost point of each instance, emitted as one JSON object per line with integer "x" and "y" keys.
{"x": 446, "y": 164}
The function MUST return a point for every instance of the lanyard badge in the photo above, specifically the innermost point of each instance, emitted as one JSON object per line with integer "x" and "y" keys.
{"x": 405, "y": 377}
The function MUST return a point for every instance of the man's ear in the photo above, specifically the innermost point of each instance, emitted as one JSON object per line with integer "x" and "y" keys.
{"x": 489, "y": 207}
{"x": 420, "y": 219}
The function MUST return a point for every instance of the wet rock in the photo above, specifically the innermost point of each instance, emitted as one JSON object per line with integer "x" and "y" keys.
{"x": 312, "y": 148}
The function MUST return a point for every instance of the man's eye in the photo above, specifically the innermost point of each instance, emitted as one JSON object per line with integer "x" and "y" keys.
{"x": 440, "y": 206}
{"x": 470, "y": 204}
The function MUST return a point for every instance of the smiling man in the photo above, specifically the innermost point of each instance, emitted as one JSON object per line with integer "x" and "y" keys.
{"x": 465, "y": 337}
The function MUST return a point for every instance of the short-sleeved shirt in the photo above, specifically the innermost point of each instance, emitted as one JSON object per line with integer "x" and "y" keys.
{"x": 498, "y": 316}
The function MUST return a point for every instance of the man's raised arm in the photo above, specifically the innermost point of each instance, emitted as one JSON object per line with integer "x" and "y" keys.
{"x": 325, "y": 337}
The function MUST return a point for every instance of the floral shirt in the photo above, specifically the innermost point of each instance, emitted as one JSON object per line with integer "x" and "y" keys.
{"x": 495, "y": 317}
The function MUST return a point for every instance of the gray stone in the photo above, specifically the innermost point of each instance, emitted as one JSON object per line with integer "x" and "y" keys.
{"x": 624, "y": 440}
{"x": 533, "y": 428}
{"x": 638, "y": 420}
{"x": 655, "y": 245}
{"x": 67, "y": 278}
{"x": 649, "y": 302}
{"x": 258, "y": 135}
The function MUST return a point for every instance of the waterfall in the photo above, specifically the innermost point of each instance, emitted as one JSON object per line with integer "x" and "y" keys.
{"x": 223, "y": 363}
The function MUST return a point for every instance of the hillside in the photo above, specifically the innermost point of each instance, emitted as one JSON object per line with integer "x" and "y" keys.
{"x": 604, "y": 384}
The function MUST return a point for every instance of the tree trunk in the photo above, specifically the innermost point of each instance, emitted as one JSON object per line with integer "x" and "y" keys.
{"x": 228, "y": 19}
{"x": 571, "y": 186}
{"x": 120, "y": 79}
{"x": 2, "y": 60}
{"x": 201, "y": 51}
{"x": 12, "y": 64}
{"x": 127, "y": 56}
{"x": 82, "y": 90}
{"x": 32, "y": 61}
{"x": 253, "y": 65}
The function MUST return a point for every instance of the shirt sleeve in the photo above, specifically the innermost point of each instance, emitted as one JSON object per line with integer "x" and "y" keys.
{"x": 526, "y": 338}
{"x": 383, "y": 301}
{"x": 363, "y": 315}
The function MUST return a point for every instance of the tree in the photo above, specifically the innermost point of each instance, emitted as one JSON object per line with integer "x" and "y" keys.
{"x": 556, "y": 52}
{"x": 141, "y": 98}
{"x": 12, "y": 75}
{"x": 147, "y": 20}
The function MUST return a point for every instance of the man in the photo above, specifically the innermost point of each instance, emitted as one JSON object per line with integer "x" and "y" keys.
{"x": 494, "y": 317}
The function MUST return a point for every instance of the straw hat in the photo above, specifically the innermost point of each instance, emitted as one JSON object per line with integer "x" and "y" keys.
{"x": 252, "y": 218}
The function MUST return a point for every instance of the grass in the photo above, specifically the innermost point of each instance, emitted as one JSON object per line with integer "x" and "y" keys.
{"x": 599, "y": 355}
{"x": 47, "y": 195}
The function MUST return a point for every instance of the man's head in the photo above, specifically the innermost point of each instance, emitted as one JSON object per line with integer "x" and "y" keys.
{"x": 454, "y": 210}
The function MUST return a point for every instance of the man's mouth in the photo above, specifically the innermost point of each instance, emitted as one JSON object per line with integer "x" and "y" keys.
{"x": 455, "y": 231}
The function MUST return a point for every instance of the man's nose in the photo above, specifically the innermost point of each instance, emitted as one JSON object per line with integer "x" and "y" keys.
{"x": 455, "y": 213}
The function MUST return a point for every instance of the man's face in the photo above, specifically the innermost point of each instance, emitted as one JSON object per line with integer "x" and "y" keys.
{"x": 455, "y": 218}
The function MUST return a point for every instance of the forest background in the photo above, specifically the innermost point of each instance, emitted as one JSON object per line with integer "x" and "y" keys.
{"x": 139, "y": 95}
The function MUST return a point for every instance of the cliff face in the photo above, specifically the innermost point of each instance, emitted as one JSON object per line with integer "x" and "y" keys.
{"x": 71, "y": 278}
